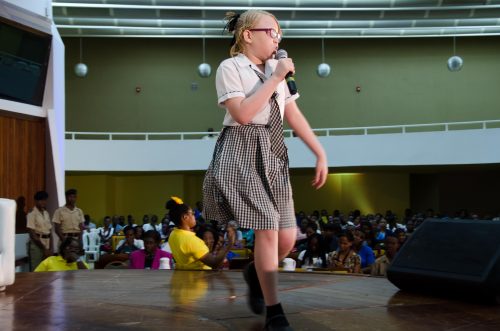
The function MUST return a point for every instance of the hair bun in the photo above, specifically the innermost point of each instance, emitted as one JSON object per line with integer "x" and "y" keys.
{"x": 232, "y": 19}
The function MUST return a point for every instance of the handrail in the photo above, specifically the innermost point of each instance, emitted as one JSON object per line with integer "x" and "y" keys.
{"x": 288, "y": 133}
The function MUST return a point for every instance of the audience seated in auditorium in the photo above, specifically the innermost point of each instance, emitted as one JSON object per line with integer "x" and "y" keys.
{"x": 363, "y": 250}
{"x": 249, "y": 237}
{"x": 330, "y": 233}
{"x": 379, "y": 268}
{"x": 165, "y": 229}
{"x": 117, "y": 223}
{"x": 310, "y": 229}
{"x": 138, "y": 232}
{"x": 198, "y": 210}
{"x": 330, "y": 227}
{"x": 313, "y": 227}
{"x": 106, "y": 232}
{"x": 300, "y": 216}
{"x": 232, "y": 226}
{"x": 122, "y": 225}
{"x": 149, "y": 257}
{"x": 130, "y": 221}
{"x": 215, "y": 246}
{"x": 152, "y": 225}
{"x": 401, "y": 235}
{"x": 324, "y": 217}
{"x": 301, "y": 229}
{"x": 145, "y": 220}
{"x": 367, "y": 228}
{"x": 314, "y": 256}
{"x": 345, "y": 258}
{"x": 210, "y": 237}
{"x": 129, "y": 244}
{"x": 392, "y": 222}
{"x": 410, "y": 226}
{"x": 382, "y": 230}
{"x": 191, "y": 252}
{"x": 69, "y": 257}
{"x": 88, "y": 224}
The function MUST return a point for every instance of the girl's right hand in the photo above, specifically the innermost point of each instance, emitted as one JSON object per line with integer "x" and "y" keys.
{"x": 321, "y": 173}
{"x": 284, "y": 67}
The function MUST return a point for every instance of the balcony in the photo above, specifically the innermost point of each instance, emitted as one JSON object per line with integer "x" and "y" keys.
{"x": 454, "y": 143}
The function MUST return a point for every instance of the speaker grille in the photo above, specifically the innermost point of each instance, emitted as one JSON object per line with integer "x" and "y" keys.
{"x": 465, "y": 247}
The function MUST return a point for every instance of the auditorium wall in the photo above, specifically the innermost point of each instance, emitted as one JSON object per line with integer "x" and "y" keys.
{"x": 146, "y": 193}
{"x": 402, "y": 81}
{"x": 474, "y": 190}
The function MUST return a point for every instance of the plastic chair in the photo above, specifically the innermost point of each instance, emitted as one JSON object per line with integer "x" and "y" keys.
{"x": 91, "y": 245}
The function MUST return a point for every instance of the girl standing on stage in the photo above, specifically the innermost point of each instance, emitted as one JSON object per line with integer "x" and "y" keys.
{"x": 248, "y": 179}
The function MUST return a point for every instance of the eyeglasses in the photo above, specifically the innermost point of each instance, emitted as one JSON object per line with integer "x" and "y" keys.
{"x": 271, "y": 33}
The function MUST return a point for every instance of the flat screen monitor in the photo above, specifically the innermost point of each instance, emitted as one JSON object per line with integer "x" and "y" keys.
{"x": 24, "y": 58}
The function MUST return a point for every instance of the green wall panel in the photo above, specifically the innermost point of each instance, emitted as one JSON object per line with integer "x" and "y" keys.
{"x": 403, "y": 81}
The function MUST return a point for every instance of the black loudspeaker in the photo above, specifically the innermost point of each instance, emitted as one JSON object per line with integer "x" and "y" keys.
{"x": 450, "y": 257}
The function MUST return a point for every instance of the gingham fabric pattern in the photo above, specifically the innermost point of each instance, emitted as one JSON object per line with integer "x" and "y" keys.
{"x": 246, "y": 181}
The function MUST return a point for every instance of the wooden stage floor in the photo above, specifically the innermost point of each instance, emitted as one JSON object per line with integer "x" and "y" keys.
{"x": 197, "y": 300}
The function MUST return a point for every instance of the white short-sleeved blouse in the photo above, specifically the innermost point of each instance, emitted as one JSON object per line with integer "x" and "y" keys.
{"x": 236, "y": 78}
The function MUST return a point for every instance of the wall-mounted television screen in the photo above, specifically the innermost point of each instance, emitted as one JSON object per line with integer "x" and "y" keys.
{"x": 24, "y": 58}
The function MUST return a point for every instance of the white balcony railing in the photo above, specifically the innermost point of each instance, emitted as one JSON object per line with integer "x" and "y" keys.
{"x": 396, "y": 145}
{"x": 366, "y": 130}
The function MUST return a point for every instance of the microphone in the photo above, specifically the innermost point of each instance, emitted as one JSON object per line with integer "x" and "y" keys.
{"x": 290, "y": 80}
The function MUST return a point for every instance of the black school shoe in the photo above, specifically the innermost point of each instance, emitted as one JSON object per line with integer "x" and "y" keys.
{"x": 277, "y": 323}
{"x": 255, "y": 296}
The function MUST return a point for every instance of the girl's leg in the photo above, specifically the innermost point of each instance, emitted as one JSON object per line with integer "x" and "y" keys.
{"x": 286, "y": 241}
{"x": 270, "y": 248}
{"x": 266, "y": 264}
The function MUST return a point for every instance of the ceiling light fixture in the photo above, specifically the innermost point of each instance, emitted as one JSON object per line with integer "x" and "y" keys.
{"x": 455, "y": 63}
{"x": 323, "y": 69}
{"x": 81, "y": 68}
{"x": 204, "y": 69}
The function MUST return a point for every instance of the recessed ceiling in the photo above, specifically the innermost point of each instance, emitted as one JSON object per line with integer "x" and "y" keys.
{"x": 298, "y": 18}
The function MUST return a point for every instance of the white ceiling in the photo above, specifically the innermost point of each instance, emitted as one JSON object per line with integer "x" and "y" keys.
{"x": 298, "y": 18}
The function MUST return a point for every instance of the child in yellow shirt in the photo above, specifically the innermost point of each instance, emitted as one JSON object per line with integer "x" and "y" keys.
{"x": 190, "y": 252}
{"x": 68, "y": 258}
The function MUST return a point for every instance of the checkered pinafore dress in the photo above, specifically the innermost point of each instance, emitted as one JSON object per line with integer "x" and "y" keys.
{"x": 248, "y": 179}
